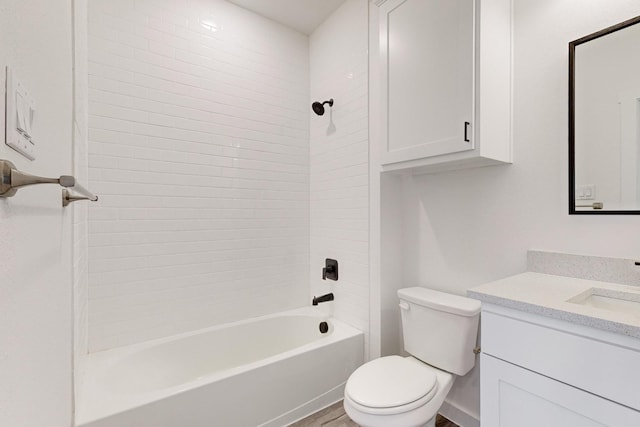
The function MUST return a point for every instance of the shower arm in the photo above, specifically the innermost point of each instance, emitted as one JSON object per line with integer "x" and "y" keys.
{"x": 12, "y": 179}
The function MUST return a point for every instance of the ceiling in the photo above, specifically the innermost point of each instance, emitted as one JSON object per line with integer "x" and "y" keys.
{"x": 301, "y": 15}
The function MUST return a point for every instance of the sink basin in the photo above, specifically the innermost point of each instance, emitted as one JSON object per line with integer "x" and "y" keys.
{"x": 618, "y": 301}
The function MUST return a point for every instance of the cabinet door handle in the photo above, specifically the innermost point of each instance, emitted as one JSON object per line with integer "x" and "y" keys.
{"x": 466, "y": 132}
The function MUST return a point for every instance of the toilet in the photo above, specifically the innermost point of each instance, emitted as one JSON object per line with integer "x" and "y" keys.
{"x": 440, "y": 332}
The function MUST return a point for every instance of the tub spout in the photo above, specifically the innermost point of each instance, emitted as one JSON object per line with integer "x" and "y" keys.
{"x": 323, "y": 298}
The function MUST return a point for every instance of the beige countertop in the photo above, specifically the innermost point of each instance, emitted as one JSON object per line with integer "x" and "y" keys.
{"x": 552, "y": 296}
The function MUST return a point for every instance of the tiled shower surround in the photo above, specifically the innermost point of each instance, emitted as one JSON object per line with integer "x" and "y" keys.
{"x": 219, "y": 198}
{"x": 340, "y": 161}
{"x": 199, "y": 149}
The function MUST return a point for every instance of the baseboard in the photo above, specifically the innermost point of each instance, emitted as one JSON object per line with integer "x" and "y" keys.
{"x": 458, "y": 416}
{"x": 327, "y": 399}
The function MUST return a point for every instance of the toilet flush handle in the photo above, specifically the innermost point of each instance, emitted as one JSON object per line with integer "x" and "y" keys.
{"x": 404, "y": 305}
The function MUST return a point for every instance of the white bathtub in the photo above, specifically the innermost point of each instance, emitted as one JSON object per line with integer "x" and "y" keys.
{"x": 268, "y": 371}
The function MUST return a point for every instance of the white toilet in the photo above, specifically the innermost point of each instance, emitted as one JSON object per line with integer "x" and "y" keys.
{"x": 440, "y": 332}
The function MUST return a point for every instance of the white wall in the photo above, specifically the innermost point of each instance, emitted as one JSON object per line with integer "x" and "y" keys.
{"x": 465, "y": 228}
{"x": 35, "y": 231}
{"x": 339, "y": 162}
{"x": 80, "y": 209}
{"x": 199, "y": 149}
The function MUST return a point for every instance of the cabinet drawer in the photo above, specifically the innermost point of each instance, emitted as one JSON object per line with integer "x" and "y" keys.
{"x": 553, "y": 349}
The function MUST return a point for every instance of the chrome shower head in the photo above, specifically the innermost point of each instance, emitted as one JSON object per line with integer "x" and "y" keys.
{"x": 318, "y": 107}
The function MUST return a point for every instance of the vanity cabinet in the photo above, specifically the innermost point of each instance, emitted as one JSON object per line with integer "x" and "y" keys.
{"x": 537, "y": 371}
{"x": 441, "y": 83}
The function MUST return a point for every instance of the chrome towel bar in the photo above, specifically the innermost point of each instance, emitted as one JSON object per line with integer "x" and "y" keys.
{"x": 13, "y": 179}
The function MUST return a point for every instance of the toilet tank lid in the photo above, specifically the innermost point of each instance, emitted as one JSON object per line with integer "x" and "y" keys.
{"x": 441, "y": 301}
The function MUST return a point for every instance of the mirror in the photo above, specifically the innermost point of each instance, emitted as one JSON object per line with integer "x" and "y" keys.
{"x": 604, "y": 121}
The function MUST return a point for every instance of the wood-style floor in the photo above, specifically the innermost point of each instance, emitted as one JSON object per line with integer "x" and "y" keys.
{"x": 334, "y": 416}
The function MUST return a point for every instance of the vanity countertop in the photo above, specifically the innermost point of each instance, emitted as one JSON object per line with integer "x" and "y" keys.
{"x": 549, "y": 295}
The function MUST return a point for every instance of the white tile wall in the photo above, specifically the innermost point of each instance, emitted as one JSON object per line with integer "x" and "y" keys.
{"x": 199, "y": 149}
{"x": 339, "y": 162}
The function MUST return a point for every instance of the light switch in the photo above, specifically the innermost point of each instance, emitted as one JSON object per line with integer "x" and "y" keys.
{"x": 20, "y": 113}
{"x": 21, "y": 124}
{"x": 29, "y": 113}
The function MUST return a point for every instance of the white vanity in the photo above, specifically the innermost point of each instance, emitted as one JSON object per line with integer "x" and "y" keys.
{"x": 559, "y": 352}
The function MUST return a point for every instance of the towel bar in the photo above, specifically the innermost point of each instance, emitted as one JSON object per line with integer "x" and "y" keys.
{"x": 12, "y": 179}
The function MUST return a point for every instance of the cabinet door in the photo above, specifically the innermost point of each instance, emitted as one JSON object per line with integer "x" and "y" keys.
{"x": 511, "y": 396}
{"x": 427, "y": 77}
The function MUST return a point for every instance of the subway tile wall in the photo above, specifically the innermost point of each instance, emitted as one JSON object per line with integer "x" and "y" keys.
{"x": 199, "y": 149}
{"x": 339, "y": 143}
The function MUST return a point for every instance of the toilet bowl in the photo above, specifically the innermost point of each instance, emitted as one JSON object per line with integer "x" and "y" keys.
{"x": 396, "y": 391}
{"x": 440, "y": 332}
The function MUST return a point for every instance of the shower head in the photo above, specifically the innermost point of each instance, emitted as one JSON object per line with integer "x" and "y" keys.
{"x": 318, "y": 107}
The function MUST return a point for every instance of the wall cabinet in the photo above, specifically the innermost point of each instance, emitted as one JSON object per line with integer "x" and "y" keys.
{"x": 544, "y": 372}
{"x": 442, "y": 83}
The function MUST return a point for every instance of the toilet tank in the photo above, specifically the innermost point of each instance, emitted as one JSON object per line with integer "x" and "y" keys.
{"x": 440, "y": 329}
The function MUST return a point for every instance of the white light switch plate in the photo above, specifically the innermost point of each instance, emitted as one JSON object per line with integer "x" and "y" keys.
{"x": 20, "y": 113}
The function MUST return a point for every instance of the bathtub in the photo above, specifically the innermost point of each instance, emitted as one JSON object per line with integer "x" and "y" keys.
{"x": 269, "y": 371}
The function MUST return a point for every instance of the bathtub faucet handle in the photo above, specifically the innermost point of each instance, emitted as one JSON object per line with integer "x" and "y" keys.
{"x": 330, "y": 269}
{"x": 323, "y": 298}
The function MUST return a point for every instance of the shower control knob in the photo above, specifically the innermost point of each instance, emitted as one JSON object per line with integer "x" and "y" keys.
{"x": 330, "y": 270}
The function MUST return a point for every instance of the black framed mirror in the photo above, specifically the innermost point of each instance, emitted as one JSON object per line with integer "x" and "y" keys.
{"x": 604, "y": 121}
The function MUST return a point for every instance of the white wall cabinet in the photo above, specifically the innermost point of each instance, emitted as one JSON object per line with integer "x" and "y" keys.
{"x": 544, "y": 372}
{"x": 442, "y": 83}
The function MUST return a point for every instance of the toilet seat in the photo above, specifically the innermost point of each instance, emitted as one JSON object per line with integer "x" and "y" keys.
{"x": 391, "y": 385}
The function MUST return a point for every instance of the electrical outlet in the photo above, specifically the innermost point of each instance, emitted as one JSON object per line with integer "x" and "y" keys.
{"x": 586, "y": 192}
